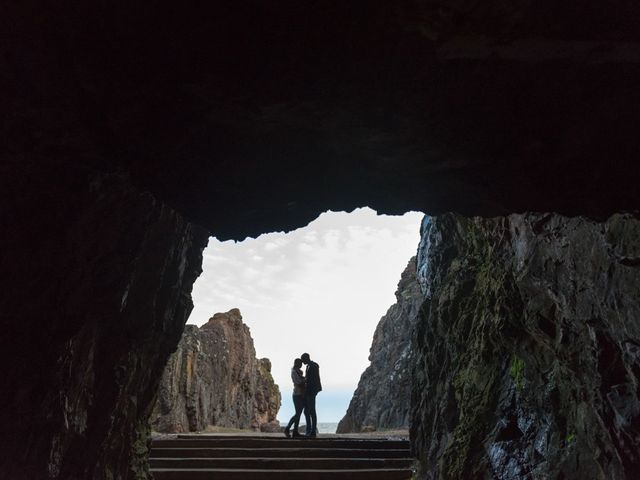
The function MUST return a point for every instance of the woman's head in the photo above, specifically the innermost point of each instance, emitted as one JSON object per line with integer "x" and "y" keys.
{"x": 297, "y": 363}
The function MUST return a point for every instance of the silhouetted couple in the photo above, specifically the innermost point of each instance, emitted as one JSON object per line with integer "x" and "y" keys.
{"x": 305, "y": 389}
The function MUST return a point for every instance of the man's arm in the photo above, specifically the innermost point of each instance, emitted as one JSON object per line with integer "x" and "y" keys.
{"x": 316, "y": 376}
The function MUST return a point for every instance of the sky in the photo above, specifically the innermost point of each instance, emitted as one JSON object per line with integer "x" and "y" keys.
{"x": 320, "y": 289}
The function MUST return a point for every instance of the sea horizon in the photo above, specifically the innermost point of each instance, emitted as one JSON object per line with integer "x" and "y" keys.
{"x": 323, "y": 427}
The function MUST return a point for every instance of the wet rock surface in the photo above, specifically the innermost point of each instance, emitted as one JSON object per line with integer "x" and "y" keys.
{"x": 383, "y": 395}
{"x": 527, "y": 358}
{"x": 214, "y": 379}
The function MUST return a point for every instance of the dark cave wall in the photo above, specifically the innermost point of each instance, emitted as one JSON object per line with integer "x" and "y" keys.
{"x": 248, "y": 117}
{"x": 97, "y": 283}
{"x": 287, "y": 109}
{"x": 527, "y": 362}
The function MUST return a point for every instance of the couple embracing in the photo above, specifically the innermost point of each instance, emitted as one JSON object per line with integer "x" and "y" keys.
{"x": 305, "y": 389}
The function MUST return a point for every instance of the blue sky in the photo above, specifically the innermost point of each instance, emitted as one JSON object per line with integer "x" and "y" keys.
{"x": 319, "y": 289}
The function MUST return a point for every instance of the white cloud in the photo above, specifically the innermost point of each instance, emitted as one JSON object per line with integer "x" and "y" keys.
{"x": 320, "y": 289}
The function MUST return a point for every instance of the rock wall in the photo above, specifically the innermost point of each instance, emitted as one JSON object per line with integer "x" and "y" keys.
{"x": 383, "y": 395}
{"x": 100, "y": 283}
{"x": 214, "y": 378}
{"x": 528, "y": 348}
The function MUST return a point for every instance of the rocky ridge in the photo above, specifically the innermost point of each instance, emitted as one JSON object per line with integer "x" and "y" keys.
{"x": 528, "y": 348}
{"x": 382, "y": 398}
{"x": 215, "y": 379}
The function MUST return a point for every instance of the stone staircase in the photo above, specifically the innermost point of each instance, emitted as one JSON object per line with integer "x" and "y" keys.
{"x": 223, "y": 457}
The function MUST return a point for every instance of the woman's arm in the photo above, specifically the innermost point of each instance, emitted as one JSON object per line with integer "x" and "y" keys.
{"x": 297, "y": 378}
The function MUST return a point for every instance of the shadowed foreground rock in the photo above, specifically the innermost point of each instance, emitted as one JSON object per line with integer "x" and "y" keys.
{"x": 102, "y": 284}
{"x": 528, "y": 348}
{"x": 214, "y": 378}
{"x": 383, "y": 395}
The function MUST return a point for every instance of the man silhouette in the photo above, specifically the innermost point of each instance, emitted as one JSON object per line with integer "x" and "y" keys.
{"x": 312, "y": 388}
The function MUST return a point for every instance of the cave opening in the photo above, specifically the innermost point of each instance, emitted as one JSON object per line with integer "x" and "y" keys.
{"x": 322, "y": 289}
{"x": 133, "y": 133}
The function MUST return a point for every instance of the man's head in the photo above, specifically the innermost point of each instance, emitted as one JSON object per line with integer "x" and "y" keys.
{"x": 305, "y": 358}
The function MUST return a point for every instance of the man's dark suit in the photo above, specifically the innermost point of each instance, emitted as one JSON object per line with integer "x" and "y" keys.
{"x": 312, "y": 388}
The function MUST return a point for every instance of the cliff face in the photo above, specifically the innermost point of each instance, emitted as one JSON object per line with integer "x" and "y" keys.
{"x": 214, "y": 378}
{"x": 382, "y": 397}
{"x": 100, "y": 290}
{"x": 528, "y": 348}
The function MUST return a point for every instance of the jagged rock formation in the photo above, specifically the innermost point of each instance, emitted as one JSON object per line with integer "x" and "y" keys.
{"x": 268, "y": 399}
{"x": 383, "y": 395}
{"x": 214, "y": 378}
{"x": 528, "y": 348}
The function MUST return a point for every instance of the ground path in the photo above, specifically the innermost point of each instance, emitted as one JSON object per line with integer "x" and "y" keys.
{"x": 272, "y": 456}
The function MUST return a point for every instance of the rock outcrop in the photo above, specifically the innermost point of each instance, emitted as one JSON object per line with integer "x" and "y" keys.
{"x": 215, "y": 379}
{"x": 528, "y": 348}
{"x": 382, "y": 398}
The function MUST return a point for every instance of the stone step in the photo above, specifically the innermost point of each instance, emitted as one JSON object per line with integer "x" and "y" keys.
{"x": 268, "y": 474}
{"x": 229, "y": 436}
{"x": 266, "y": 442}
{"x": 175, "y": 452}
{"x": 271, "y": 458}
{"x": 283, "y": 463}
{"x": 278, "y": 437}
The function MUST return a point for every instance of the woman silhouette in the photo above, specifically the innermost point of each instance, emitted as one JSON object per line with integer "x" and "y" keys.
{"x": 298, "y": 398}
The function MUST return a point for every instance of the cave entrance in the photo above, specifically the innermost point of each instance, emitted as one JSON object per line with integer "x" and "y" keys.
{"x": 320, "y": 289}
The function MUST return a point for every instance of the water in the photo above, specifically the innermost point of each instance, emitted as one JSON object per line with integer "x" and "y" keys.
{"x": 323, "y": 427}
{"x": 327, "y": 427}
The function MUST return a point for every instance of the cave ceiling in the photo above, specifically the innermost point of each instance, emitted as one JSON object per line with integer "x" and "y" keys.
{"x": 255, "y": 116}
